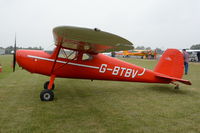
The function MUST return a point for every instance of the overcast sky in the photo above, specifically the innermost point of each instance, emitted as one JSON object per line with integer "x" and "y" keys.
{"x": 149, "y": 23}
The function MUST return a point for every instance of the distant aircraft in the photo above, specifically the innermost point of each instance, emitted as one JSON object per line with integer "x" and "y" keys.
{"x": 78, "y": 55}
{"x": 137, "y": 52}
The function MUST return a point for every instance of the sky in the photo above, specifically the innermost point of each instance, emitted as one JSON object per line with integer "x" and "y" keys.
{"x": 150, "y": 23}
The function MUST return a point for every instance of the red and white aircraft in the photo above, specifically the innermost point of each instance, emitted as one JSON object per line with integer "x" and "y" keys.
{"x": 78, "y": 55}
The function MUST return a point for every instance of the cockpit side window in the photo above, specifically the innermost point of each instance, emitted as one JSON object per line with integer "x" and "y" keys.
{"x": 74, "y": 55}
{"x": 67, "y": 54}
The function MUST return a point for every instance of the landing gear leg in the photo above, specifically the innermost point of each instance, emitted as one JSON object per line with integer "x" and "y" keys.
{"x": 47, "y": 94}
{"x": 46, "y": 84}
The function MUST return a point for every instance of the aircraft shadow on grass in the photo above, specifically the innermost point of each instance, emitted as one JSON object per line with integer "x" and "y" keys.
{"x": 167, "y": 89}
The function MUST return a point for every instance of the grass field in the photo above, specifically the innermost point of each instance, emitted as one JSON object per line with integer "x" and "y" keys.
{"x": 82, "y": 106}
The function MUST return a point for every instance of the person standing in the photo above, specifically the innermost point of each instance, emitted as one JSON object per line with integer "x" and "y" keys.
{"x": 186, "y": 61}
{"x": 198, "y": 56}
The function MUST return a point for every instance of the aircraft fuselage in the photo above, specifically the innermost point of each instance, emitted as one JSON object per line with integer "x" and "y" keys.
{"x": 97, "y": 67}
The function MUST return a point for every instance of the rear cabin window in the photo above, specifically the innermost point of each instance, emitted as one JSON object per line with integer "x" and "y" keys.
{"x": 86, "y": 57}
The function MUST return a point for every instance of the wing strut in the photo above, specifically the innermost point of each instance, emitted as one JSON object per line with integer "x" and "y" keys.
{"x": 56, "y": 52}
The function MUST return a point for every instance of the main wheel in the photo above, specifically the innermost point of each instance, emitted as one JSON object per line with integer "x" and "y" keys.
{"x": 46, "y": 95}
{"x": 46, "y": 85}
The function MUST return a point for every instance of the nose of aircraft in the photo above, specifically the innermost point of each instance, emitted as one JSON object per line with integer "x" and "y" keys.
{"x": 26, "y": 62}
{"x": 17, "y": 56}
{"x": 23, "y": 60}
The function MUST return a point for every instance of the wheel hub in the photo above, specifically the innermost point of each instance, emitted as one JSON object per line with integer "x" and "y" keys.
{"x": 47, "y": 96}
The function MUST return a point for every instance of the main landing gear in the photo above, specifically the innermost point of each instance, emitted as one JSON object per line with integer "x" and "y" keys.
{"x": 47, "y": 94}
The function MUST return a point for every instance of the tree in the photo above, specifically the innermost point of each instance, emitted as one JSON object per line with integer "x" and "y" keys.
{"x": 159, "y": 51}
{"x": 9, "y": 49}
{"x": 140, "y": 47}
{"x": 148, "y": 48}
{"x": 196, "y": 46}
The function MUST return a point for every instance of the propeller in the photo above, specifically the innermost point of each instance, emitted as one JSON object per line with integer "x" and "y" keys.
{"x": 14, "y": 55}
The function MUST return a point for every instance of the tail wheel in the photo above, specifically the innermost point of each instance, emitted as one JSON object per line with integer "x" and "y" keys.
{"x": 46, "y": 85}
{"x": 46, "y": 95}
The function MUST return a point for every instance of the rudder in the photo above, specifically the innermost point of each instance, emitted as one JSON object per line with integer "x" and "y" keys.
{"x": 171, "y": 63}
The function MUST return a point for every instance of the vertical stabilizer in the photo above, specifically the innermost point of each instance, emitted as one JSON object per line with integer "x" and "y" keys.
{"x": 171, "y": 63}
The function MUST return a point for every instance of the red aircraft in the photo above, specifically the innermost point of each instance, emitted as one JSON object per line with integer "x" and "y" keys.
{"x": 78, "y": 55}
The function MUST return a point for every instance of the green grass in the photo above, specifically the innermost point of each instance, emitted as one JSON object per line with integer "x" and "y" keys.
{"x": 82, "y": 106}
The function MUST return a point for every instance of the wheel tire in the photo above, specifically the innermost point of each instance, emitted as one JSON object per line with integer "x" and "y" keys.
{"x": 46, "y": 95}
{"x": 46, "y": 85}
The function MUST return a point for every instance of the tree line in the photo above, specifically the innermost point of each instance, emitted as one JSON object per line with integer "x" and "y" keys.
{"x": 196, "y": 46}
{"x": 9, "y": 49}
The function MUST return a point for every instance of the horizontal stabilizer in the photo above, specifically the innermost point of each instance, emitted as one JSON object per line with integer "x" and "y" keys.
{"x": 173, "y": 79}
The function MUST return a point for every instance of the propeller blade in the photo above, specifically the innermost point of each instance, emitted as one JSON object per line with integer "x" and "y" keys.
{"x": 14, "y": 55}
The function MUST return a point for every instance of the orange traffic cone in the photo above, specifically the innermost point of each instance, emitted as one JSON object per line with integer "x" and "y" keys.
{"x": 0, "y": 68}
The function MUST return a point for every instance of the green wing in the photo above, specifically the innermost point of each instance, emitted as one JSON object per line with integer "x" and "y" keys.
{"x": 89, "y": 40}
